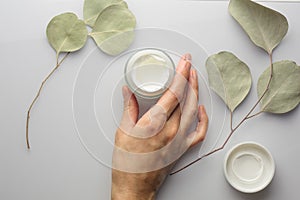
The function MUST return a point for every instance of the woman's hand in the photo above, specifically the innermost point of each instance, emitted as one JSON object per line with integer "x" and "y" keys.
{"x": 147, "y": 148}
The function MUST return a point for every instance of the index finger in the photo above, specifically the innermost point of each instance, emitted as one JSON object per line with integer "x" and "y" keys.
{"x": 175, "y": 92}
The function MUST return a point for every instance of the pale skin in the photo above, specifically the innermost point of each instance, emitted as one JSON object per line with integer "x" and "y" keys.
{"x": 166, "y": 124}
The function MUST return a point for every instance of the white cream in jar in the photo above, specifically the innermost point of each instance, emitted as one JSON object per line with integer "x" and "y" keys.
{"x": 149, "y": 72}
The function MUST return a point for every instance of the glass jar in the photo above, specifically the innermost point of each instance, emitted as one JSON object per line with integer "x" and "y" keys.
{"x": 149, "y": 72}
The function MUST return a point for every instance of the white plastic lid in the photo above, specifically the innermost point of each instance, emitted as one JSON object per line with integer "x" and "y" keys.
{"x": 249, "y": 167}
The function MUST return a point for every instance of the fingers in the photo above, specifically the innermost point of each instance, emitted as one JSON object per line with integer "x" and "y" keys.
{"x": 151, "y": 123}
{"x": 176, "y": 91}
{"x": 154, "y": 120}
{"x": 131, "y": 108}
{"x": 173, "y": 123}
{"x": 199, "y": 134}
{"x": 190, "y": 107}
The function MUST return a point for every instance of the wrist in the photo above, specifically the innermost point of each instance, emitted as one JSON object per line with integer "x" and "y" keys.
{"x": 120, "y": 193}
{"x": 129, "y": 186}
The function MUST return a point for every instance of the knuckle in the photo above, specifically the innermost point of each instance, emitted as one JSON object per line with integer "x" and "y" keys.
{"x": 172, "y": 131}
{"x": 205, "y": 119}
{"x": 178, "y": 95}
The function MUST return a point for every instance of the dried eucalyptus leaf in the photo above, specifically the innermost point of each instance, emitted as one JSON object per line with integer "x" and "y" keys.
{"x": 117, "y": 43}
{"x": 66, "y": 33}
{"x": 284, "y": 91}
{"x": 113, "y": 31}
{"x": 265, "y": 27}
{"x": 229, "y": 77}
{"x": 93, "y": 8}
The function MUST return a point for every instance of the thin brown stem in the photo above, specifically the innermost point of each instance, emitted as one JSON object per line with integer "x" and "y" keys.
{"x": 231, "y": 116}
{"x": 58, "y": 63}
{"x": 254, "y": 115}
{"x": 213, "y": 151}
{"x": 248, "y": 116}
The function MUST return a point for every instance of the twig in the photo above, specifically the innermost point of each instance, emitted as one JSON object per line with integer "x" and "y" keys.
{"x": 231, "y": 127}
{"x": 248, "y": 116}
{"x": 58, "y": 63}
{"x": 254, "y": 115}
{"x": 215, "y": 150}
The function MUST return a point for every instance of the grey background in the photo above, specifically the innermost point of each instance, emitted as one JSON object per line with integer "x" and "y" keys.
{"x": 58, "y": 166}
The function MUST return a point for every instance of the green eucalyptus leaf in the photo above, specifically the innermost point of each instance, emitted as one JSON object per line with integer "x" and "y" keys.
{"x": 93, "y": 8}
{"x": 229, "y": 77}
{"x": 113, "y": 31}
{"x": 265, "y": 27}
{"x": 284, "y": 90}
{"x": 117, "y": 43}
{"x": 66, "y": 33}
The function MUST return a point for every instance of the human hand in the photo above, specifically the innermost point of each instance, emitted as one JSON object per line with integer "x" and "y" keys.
{"x": 147, "y": 148}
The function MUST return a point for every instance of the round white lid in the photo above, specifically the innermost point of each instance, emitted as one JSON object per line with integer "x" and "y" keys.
{"x": 249, "y": 167}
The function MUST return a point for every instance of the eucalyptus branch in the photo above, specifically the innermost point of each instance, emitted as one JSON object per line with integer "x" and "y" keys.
{"x": 254, "y": 115}
{"x": 248, "y": 116}
{"x": 58, "y": 63}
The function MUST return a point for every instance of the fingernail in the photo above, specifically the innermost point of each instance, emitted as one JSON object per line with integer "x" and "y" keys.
{"x": 188, "y": 57}
{"x": 184, "y": 63}
{"x": 202, "y": 109}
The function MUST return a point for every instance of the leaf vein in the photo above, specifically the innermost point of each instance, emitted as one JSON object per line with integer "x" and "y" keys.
{"x": 276, "y": 92}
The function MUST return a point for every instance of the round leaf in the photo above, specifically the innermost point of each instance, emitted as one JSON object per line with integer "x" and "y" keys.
{"x": 66, "y": 33}
{"x": 265, "y": 27}
{"x": 117, "y": 43}
{"x": 284, "y": 91}
{"x": 113, "y": 31}
{"x": 93, "y": 8}
{"x": 229, "y": 77}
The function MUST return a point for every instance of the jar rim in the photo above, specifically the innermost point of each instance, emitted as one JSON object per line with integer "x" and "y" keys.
{"x": 146, "y": 94}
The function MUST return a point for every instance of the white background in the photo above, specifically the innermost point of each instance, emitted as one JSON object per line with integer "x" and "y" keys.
{"x": 58, "y": 167}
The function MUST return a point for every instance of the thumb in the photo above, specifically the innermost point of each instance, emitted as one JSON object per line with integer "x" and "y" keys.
{"x": 131, "y": 107}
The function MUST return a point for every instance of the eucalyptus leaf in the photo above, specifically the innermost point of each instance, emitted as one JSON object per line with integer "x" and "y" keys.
{"x": 229, "y": 77}
{"x": 113, "y": 31}
{"x": 265, "y": 27}
{"x": 284, "y": 91}
{"x": 66, "y": 33}
{"x": 93, "y": 8}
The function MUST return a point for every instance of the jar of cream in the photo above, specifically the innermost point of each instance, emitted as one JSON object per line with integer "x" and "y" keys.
{"x": 149, "y": 72}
